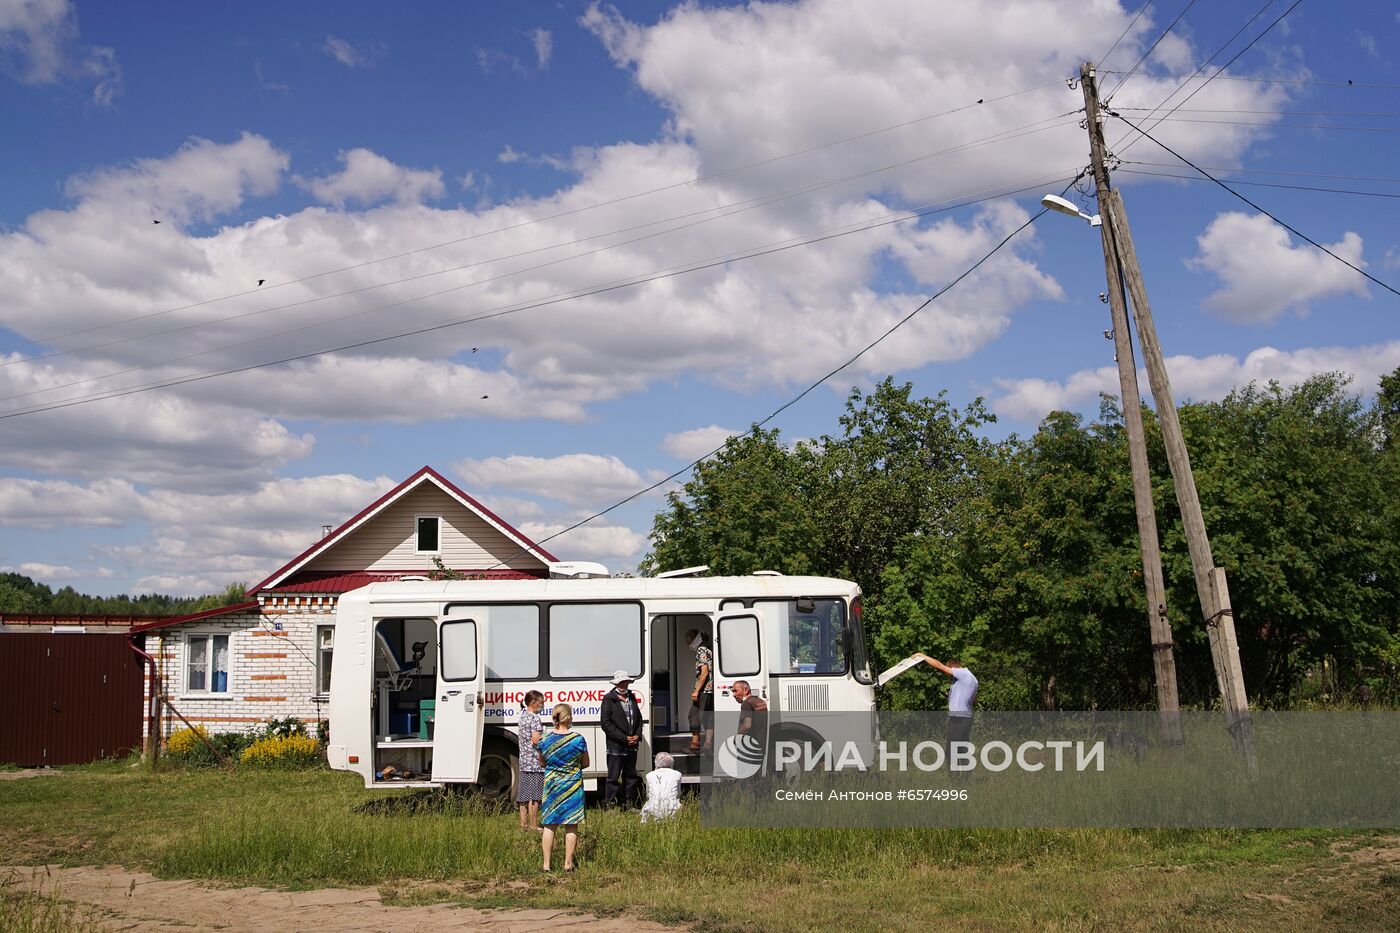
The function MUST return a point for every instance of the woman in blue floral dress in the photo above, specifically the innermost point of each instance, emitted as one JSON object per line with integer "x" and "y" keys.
{"x": 565, "y": 755}
{"x": 530, "y": 786}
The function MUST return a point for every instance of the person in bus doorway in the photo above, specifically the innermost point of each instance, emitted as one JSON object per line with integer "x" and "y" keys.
{"x": 753, "y": 711}
{"x": 622, "y": 724}
{"x": 702, "y": 698}
{"x": 530, "y": 788}
{"x": 565, "y": 755}
{"x": 962, "y": 695}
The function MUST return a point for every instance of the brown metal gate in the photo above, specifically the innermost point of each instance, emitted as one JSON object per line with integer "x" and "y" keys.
{"x": 68, "y": 698}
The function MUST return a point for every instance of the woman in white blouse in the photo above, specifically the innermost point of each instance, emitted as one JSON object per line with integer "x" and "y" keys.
{"x": 663, "y": 790}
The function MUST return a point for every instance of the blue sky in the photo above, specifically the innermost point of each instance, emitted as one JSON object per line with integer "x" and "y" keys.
{"x": 283, "y": 141}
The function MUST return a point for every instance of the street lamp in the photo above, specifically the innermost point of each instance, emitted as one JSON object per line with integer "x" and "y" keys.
{"x": 1056, "y": 203}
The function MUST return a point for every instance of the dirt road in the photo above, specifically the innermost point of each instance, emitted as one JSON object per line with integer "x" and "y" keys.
{"x": 119, "y": 899}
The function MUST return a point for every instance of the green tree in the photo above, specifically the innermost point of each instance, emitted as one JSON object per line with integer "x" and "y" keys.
{"x": 745, "y": 509}
{"x": 18, "y": 599}
{"x": 1290, "y": 480}
{"x": 900, "y": 467}
{"x": 1040, "y": 584}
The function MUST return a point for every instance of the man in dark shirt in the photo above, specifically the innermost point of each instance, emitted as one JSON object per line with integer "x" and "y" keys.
{"x": 622, "y": 724}
{"x": 753, "y": 711}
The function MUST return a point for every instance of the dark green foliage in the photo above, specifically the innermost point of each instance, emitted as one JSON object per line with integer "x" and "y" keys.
{"x": 19, "y": 593}
{"x": 1021, "y": 558}
{"x": 199, "y": 755}
{"x": 281, "y": 728}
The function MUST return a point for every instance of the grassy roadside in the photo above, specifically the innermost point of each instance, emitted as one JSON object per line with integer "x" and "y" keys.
{"x": 317, "y": 828}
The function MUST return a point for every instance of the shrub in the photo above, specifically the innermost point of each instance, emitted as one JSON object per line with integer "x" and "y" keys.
{"x": 185, "y": 741}
{"x": 186, "y": 746}
{"x": 281, "y": 728}
{"x": 288, "y": 751}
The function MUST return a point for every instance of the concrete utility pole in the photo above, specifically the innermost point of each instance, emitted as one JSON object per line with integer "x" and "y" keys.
{"x": 1158, "y": 622}
{"x": 1211, "y": 588}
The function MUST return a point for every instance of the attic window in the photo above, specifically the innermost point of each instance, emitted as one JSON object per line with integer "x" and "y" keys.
{"x": 429, "y": 534}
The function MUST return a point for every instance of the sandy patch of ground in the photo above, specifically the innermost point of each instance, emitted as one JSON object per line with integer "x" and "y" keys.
{"x": 28, "y": 772}
{"x": 119, "y": 899}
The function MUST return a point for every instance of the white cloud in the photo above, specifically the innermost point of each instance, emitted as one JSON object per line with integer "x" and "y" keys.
{"x": 738, "y": 84}
{"x": 161, "y": 438}
{"x": 370, "y": 178}
{"x": 543, "y": 41}
{"x": 509, "y": 155}
{"x": 688, "y": 445}
{"x": 1367, "y": 43}
{"x": 200, "y": 181}
{"x": 39, "y": 45}
{"x": 46, "y": 572}
{"x": 1264, "y": 274}
{"x": 31, "y": 503}
{"x": 200, "y": 542}
{"x": 578, "y": 479}
{"x": 1207, "y": 378}
{"x": 365, "y": 53}
{"x": 608, "y": 544}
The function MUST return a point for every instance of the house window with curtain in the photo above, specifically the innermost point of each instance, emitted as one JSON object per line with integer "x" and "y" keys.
{"x": 206, "y": 664}
{"x": 325, "y": 646}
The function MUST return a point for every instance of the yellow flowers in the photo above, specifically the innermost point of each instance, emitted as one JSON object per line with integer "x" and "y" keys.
{"x": 281, "y": 751}
{"x": 186, "y": 740}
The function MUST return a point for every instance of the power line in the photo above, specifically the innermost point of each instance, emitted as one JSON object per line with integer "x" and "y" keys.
{"x": 801, "y": 395}
{"x": 1301, "y": 113}
{"x": 1138, "y": 64}
{"x": 1220, "y": 77}
{"x": 1291, "y": 229}
{"x": 1261, "y": 171}
{"x": 998, "y": 137}
{"x": 1266, "y": 184}
{"x": 548, "y": 217}
{"x": 1233, "y": 58}
{"x": 552, "y": 300}
{"x": 1289, "y": 126}
{"x": 1131, "y": 24}
{"x": 742, "y": 206}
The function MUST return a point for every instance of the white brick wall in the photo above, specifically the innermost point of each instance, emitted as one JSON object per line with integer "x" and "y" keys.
{"x": 272, "y": 674}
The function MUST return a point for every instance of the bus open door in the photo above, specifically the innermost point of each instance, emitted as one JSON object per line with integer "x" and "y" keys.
{"x": 460, "y": 712}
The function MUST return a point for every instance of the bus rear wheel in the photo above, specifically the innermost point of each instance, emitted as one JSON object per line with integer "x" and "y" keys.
{"x": 499, "y": 771}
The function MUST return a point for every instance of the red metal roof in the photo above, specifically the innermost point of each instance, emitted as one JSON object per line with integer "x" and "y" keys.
{"x": 275, "y": 580}
{"x": 333, "y": 581}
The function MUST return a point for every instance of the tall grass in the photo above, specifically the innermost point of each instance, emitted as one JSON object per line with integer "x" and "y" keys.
{"x": 41, "y": 911}
{"x": 319, "y": 828}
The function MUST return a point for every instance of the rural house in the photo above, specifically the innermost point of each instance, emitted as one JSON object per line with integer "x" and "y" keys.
{"x": 268, "y": 657}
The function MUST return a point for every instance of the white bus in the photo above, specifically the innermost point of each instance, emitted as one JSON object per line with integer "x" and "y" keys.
{"x": 427, "y": 677}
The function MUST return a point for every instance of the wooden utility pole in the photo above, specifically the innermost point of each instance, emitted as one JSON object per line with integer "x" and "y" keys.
{"x": 1211, "y": 588}
{"x": 1158, "y": 622}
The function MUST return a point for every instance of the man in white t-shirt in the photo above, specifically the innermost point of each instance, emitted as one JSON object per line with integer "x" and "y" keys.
{"x": 962, "y": 696}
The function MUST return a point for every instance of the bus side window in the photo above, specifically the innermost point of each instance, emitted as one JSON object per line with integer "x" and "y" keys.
{"x": 593, "y": 640}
